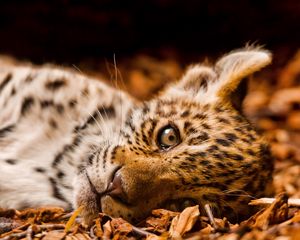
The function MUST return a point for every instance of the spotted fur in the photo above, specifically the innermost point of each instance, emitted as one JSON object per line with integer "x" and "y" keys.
{"x": 63, "y": 137}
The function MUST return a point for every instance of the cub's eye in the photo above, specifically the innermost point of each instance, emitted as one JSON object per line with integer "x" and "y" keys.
{"x": 168, "y": 137}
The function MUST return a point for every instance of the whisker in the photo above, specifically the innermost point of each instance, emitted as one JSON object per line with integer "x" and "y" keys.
{"x": 77, "y": 68}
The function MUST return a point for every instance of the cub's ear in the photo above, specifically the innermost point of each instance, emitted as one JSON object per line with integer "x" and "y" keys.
{"x": 235, "y": 66}
{"x": 208, "y": 84}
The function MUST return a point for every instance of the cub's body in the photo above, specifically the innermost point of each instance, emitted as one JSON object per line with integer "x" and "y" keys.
{"x": 67, "y": 139}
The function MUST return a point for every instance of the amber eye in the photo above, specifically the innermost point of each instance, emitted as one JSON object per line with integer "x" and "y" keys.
{"x": 168, "y": 137}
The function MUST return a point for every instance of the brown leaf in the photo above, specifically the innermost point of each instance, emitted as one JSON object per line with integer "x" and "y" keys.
{"x": 275, "y": 213}
{"x": 120, "y": 226}
{"x": 55, "y": 235}
{"x": 7, "y": 224}
{"x": 41, "y": 215}
{"x": 155, "y": 237}
{"x": 99, "y": 231}
{"x": 107, "y": 231}
{"x": 7, "y": 213}
{"x": 184, "y": 222}
{"x": 161, "y": 220}
{"x": 72, "y": 219}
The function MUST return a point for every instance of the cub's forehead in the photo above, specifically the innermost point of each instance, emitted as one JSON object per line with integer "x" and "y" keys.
{"x": 173, "y": 109}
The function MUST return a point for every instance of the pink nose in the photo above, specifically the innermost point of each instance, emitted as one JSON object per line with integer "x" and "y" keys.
{"x": 115, "y": 188}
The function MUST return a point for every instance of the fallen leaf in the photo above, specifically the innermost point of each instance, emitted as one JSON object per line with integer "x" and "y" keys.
{"x": 184, "y": 222}
{"x": 55, "y": 235}
{"x": 107, "y": 231}
{"x": 275, "y": 213}
{"x": 72, "y": 219}
{"x": 120, "y": 226}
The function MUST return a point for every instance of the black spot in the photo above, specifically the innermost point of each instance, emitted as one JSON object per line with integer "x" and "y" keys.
{"x": 60, "y": 108}
{"x": 46, "y": 103}
{"x": 13, "y": 91}
{"x": 228, "y": 181}
{"x": 247, "y": 166}
{"x": 90, "y": 159}
{"x": 199, "y": 116}
{"x": 199, "y": 139}
{"x": 29, "y": 78}
{"x": 55, "y": 191}
{"x": 213, "y": 148}
{"x": 218, "y": 155}
{"x": 221, "y": 165}
{"x": 195, "y": 179}
{"x": 201, "y": 154}
{"x": 206, "y": 126}
{"x": 238, "y": 118}
{"x": 129, "y": 123}
{"x": 5, "y": 81}
{"x": 104, "y": 158}
{"x": 60, "y": 175}
{"x": 57, "y": 159}
{"x": 190, "y": 159}
{"x": 187, "y": 125}
{"x": 185, "y": 113}
{"x": 85, "y": 92}
{"x": 53, "y": 123}
{"x": 222, "y": 142}
{"x": 151, "y": 130}
{"x": 11, "y": 161}
{"x": 6, "y": 130}
{"x": 26, "y": 105}
{"x": 40, "y": 170}
{"x": 223, "y": 120}
{"x": 145, "y": 109}
{"x": 246, "y": 140}
{"x": 203, "y": 137}
{"x": 53, "y": 86}
{"x": 204, "y": 162}
{"x": 230, "y": 137}
{"x": 251, "y": 152}
{"x": 237, "y": 157}
{"x": 72, "y": 103}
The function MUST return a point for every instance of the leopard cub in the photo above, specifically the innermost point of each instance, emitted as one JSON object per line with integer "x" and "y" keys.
{"x": 70, "y": 140}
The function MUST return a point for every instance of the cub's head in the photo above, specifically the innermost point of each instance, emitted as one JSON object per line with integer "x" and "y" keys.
{"x": 191, "y": 145}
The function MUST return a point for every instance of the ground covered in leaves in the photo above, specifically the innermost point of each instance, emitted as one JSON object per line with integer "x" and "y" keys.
{"x": 273, "y": 104}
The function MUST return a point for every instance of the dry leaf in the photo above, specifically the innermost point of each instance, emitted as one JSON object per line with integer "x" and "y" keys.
{"x": 99, "y": 231}
{"x": 55, "y": 235}
{"x": 72, "y": 219}
{"x": 184, "y": 222}
{"x": 162, "y": 220}
{"x": 107, "y": 231}
{"x": 275, "y": 213}
{"x": 120, "y": 226}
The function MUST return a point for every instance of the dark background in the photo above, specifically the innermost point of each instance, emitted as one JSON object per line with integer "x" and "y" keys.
{"x": 65, "y": 31}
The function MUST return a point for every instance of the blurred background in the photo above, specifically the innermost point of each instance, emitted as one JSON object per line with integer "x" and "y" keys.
{"x": 67, "y": 31}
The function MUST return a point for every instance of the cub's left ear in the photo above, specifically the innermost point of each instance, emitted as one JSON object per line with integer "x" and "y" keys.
{"x": 235, "y": 66}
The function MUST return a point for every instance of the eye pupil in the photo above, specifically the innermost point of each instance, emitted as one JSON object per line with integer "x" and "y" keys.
{"x": 171, "y": 138}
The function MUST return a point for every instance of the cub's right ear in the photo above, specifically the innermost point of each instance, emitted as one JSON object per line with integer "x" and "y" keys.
{"x": 221, "y": 81}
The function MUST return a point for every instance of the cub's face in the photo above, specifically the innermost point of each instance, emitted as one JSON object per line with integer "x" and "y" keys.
{"x": 188, "y": 146}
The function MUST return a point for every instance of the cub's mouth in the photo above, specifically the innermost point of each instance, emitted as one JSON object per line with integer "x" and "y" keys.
{"x": 114, "y": 201}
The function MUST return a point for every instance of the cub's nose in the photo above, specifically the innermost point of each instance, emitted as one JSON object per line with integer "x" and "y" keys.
{"x": 115, "y": 188}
